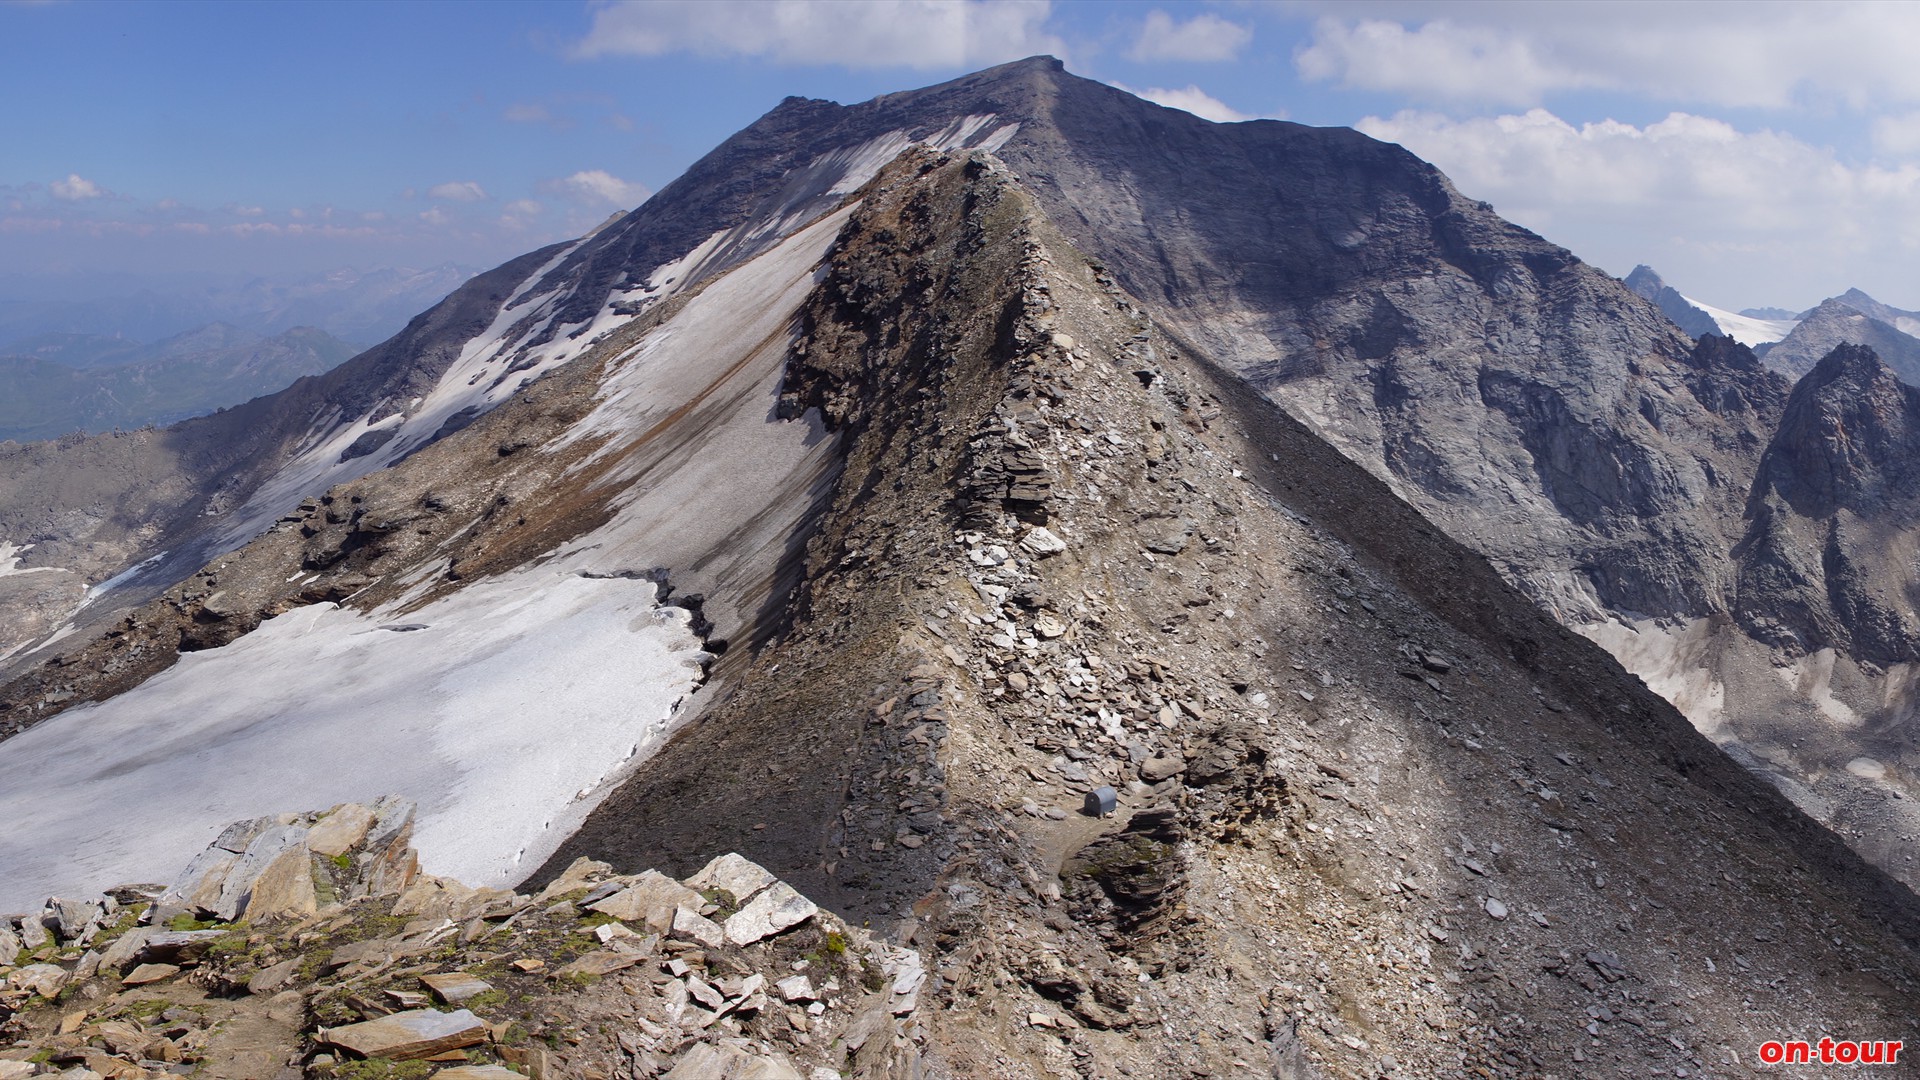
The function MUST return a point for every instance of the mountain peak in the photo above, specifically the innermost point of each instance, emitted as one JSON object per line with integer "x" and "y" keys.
{"x": 1645, "y": 281}
{"x": 1848, "y": 423}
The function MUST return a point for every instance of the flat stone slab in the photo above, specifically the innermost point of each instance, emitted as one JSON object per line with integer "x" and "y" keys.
{"x": 738, "y": 875}
{"x": 600, "y": 962}
{"x": 455, "y": 987}
{"x": 150, "y": 973}
{"x": 405, "y": 1036}
{"x": 706, "y": 1061}
{"x": 651, "y": 899}
{"x": 177, "y": 946}
{"x": 47, "y": 980}
{"x": 690, "y": 925}
{"x": 777, "y": 907}
{"x": 479, "y": 1072}
{"x": 340, "y": 831}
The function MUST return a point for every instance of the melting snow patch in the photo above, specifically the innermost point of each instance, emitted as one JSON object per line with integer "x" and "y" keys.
{"x": 120, "y": 578}
{"x": 511, "y": 707}
{"x": 10, "y": 561}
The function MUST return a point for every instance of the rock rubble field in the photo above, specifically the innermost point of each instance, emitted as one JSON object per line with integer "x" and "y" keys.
{"x": 314, "y": 946}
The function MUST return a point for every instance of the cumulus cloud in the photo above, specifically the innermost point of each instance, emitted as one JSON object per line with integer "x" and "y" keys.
{"x": 1201, "y": 38}
{"x": 435, "y": 216}
{"x": 1729, "y": 206}
{"x": 74, "y": 188}
{"x": 598, "y": 186}
{"x": 1191, "y": 98}
{"x": 846, "y": 33}
{"x": 1898, "y": 136}
{"x": 1760, "y": 55}
{"x": 1196, "y": 101}
{"x": 458, "y": 191}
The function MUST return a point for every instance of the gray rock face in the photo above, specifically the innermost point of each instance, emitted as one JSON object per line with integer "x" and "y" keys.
{"x": 1816, "y": 566}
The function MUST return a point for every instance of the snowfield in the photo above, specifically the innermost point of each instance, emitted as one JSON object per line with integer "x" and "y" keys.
{"x": 502, "y": 715}
{"x": 507, "y": 710}
{"x": 1744, "y": 329}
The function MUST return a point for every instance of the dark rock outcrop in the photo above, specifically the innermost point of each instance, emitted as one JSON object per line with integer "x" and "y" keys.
{"x": 1840, "y": 478}
{"x": 1648, "y": 284}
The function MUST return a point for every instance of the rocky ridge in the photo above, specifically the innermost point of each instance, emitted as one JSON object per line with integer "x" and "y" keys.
{"x": 1295, "y": 694}
{"x": 313, "y": 945}
{"x": 1531, "y": 406}
{"x": 1374, "y": 812}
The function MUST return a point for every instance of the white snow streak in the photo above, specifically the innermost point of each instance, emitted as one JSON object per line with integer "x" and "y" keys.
{"x": 1745, "y": 329}
{"x": 10, "y": 561}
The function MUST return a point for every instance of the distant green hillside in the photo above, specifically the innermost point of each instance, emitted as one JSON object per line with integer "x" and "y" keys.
{"x": 187, "y": 375}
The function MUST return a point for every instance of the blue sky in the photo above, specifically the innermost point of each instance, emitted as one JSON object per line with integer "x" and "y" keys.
{"x": 1754, "y": 153}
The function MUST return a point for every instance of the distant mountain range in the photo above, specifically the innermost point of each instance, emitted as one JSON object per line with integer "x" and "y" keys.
{"x": 57, "y": 383}
{"x": 365, "y": 307}
{"x": 1792, "y": 344}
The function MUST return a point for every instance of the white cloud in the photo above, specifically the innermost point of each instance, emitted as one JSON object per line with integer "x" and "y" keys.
{"x": 1191, "y": 98}
{"x": 458, "y": 191}
{"x": 1196, "y": 101}
{"x": 523, "y": 207}
{"x": 1763, "y": 55}
{"x": 598, "y": 186}
{"x": 74, "y": 188}
{"x": 435, "y": 216}
{"x": 1203, "y": 37}
{"x": 1709, "y": 204}
{"x": 1898, "y": 136}
{"x": 847, "y": 33}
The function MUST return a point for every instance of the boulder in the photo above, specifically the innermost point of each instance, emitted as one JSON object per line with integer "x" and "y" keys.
{"x": 579, "y": 874}
{"x": 47, "y": 980}
{"x": 284, "y": 887}
{"x": 33, "y": 934}
{"x": 9, "y": 945}
{"x": 776, "y": 908}
{"x": 1043, "y": 542}
{"x": 1155, "y": 769}
{"x": 652, "y": 899}
{"x": 340, "y": 831}
{"x": 196, "y": 892}
{"x": 705, "y": 1061}
{"x": 177, "y": 946}
{"x": 74, "y": 920}
{"x": 150, "y": 973}
{"x": 456, "y": 986}
{"x": 690, "y": 925}
{"x": 263, "y": 851}
{"x": 124, "y": 950}
{"x": 405, "y": 1036}
{"x": 734, "y": 873}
